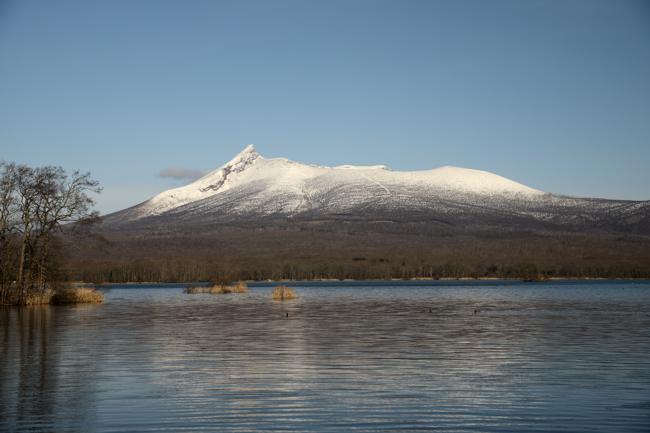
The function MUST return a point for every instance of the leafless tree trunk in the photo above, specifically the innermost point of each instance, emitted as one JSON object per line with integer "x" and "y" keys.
{"x": 7, "y": 225}
{"x": 35, "y": 203}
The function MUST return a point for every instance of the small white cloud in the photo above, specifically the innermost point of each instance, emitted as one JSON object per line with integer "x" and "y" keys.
{"x": 180, "y": 173}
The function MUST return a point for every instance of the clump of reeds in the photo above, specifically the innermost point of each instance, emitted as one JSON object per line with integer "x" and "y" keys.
{"x": 218, "y": 289}
{"x": 77, "y": 295}
{"x": 239, "y": 287}
{"x": 283, "y": 293}
{"x": 39, "y": 298}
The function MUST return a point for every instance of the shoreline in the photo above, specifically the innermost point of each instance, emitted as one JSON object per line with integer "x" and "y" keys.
{"x": 383, "y": 281}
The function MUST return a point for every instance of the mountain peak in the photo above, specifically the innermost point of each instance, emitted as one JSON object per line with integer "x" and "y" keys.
{"x": 239, "y": 163}
{"x": 249, "y": 149}
{"x": 248, "y": 154}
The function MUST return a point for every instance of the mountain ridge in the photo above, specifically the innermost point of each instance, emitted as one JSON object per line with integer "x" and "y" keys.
{"x": 300, "y": 183}
{"x": 250, "y": 188}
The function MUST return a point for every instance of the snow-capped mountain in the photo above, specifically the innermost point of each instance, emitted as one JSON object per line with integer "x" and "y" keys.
{"x": 250, "y": 187}
{"x": 281, "y": 186}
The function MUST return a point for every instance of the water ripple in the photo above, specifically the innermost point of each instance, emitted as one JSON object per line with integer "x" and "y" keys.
{"x": 461, "y": 358}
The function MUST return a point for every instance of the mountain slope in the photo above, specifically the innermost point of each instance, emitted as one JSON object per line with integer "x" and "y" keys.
{"x": 252, "y": 184}
{"x": 252, "y": 188}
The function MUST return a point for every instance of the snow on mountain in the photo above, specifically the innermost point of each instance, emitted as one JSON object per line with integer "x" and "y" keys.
{"x": 278, "y": 185}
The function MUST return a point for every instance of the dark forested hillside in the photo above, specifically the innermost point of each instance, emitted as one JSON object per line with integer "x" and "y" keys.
{"x": 349, "y": 248}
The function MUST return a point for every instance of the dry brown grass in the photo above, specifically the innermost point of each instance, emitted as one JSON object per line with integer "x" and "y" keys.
{"x": 283, "y": 293}
{"x": 44, "y": 297}
{"x": 66, "y": 295}
{"x": 239, "y": 287}
{"x": 77, "y": 295}
{"x": 218, "y": 289}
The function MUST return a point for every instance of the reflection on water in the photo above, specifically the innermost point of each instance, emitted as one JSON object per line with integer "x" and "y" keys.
{"x": 541, "y": 357}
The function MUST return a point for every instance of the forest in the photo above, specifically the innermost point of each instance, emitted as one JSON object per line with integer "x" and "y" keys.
{"x": 297, "y": 252}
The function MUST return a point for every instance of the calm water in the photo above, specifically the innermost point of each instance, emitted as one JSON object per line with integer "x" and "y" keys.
{"x": 536, "y": 357}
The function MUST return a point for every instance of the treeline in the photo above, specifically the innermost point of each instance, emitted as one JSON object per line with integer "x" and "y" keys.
{"x": 244, "y": 253}
{"x": 189, "y": 271}
{"x": 35, "y": 203}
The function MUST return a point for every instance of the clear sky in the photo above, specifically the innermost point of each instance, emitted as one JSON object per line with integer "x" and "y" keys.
{"x": 553, "y": 94}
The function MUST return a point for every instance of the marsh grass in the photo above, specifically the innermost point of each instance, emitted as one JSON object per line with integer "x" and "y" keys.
{"x": 239, "y": 287}
{"x": 283, "y": 293}
{"x": 77, "y": 295}
{"x": 218, "y": 289}
{"x": 33, "y": 297}
{"x": 61, "y": 295}
{"x": 40, "y": 298}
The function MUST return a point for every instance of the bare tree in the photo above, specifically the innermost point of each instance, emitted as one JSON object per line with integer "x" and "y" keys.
{"x": 60, "y": 199}
{"x": 8, "y": 209}
{"x": 35, "y": 204}
{"x": 26, "y": 190}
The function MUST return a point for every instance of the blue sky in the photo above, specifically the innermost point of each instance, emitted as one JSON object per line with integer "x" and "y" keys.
{"x": 553, "y": 94}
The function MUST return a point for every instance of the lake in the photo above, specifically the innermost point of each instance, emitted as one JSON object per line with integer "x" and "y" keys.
{"x": 490, "y": 356}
